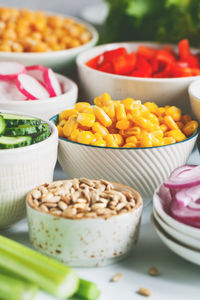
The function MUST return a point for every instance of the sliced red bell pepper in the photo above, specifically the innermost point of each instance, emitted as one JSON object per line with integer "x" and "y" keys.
{"x": 106, "y": 67}
{"x": 143, "y": 68}
{"x": 109, "y": 55}
{"x": 184, "y": 48}
{"x": 195, "y": 72}
{"x": 123, "y": 65}
{"x": 192, "y": 61}
{"x": 147, "y": 52}
{"x": 178, "y": 71}
{"x": 93, "y": 63}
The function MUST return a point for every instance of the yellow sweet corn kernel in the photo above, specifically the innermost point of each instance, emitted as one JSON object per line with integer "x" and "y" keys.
{"x": 131, "y": 139}
{"x": 80, "y": 106}
{"x": 160, "y": 111}
{"x": 123, "y": 124}
{"x": 110, "y": 141}
{"x": 176, "y": 134}
{"x": 129, "y": 145}
{"x": 86, "y": 119}
{"x": 144, "y": 111}
{"x": 163, "y": 127}
{"x": 103, "y": 100}
{"x": 60, "y": 131}
{"x": 119, "y": 139}
{"x": 152, "y": 107}
{"x": 98, "y": 136}
{"x": 109, "y": 110}
{"x": 74, "y": 135}
{"x": 157, "y": 133}
{"x": 100, "y": 143}
{"x": 153, "y": 118}
{"x": 144, "y": 123}
{"x": 174, "y": 112}
{"x": 70, "y": 125}
{"x": 128, "y": 103}
{"x": 135, "y": 130}
{"x": 156, "y": 141}
{"x": 146, "y": 140}
{"x": 98, "y": 128}
{"x": 120, "y": 112}
{"x": 85, "y": 137}
{"x": 102, "y": 117}
{"x": 185, "y": 119}
{"x": 169, "y": 140}
{"x": 180, "y": 125}
{"x": 171, "y": 124}
{"x": 65, "y": 114}
{"x": 62, "y": 123}
{"x": 190, "y": 128}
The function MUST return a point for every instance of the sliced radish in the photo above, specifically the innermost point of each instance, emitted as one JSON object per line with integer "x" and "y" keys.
{"x": 10, "y": 70}
{"x": 37, "y": 71}
{"x": 52, "y": 83}
{"x": 9, "y": 91}
{"x": 31, "y": 87}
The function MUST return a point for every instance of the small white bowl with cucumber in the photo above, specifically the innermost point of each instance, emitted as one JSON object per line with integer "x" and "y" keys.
{"x": 28, "y": 154}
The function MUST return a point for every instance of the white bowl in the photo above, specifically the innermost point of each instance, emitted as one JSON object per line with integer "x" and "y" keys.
{"x": 163, "y": 91}
{"x": 141, "y": 168}
{"x": 194, "y": 94}
{"x": 172, "y": 232}
{"x": 182, "y": 228}
{"x": 47, "y": 107}
{"x": 61, "y": 61}
{"x": 21, "y": 170}
{"x": 86, "y": 242}
{"x": 185, "y": 252}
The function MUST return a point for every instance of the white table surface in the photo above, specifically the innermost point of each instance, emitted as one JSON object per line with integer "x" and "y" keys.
{"x": 178, "y": 280}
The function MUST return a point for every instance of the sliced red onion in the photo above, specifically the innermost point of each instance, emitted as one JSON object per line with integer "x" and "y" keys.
{"x": 189, "y": 196}
{"x": 184, "y": 179}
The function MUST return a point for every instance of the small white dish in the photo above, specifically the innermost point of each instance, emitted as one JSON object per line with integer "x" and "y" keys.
{"x": 45, "y": 108}
{"x": 184, "y": 229}
{"x": 180, "y": 237}
{"x": 194, "y": 94}
{"x": 185, "y": 252}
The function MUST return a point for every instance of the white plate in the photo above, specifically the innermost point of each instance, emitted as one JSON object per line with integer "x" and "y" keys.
{"x": 185, "y": 252}
{"x": 180, "y": 237}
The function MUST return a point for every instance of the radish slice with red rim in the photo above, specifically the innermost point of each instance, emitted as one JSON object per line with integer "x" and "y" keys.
{"x": 31, "y": 87}
{"x": 52, "y": 84}
{"x": 10, "y": 70}
{"x": 36, "y": 71}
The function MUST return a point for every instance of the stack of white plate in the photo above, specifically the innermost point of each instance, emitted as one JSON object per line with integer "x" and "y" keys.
{"x": 182, "y": 239}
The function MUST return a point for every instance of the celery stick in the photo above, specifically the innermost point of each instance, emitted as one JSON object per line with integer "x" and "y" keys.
{"x": 15, "y": 289}
{"x": 49, "y": 274}
{"x": 87, "y": 290}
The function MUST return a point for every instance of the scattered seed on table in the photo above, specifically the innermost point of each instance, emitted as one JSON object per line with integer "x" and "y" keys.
{"x": 144, "y": 292}
{"x": 153, "y": 271}
{"x": 116, "y": 277}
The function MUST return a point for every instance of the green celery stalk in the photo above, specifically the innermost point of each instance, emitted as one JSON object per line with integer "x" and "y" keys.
{"x": 15, "y": 289}
{"x": 88, "y": 290}
{"x": 49, "y": 274}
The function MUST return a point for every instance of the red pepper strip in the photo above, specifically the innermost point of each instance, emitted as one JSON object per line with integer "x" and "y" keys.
{"x": 107, "y": 67}
{"x": 195, "y": 72}
{"x": 143, "y": 68}
{"x": 162, "y": 63}
{"x": 123, "y": 65}
{"x": 192, "y": 61}
{"x": 93, "y": 63}
{"x": 184, "y": 49}
{"x": 178, "y": 71}
{"x": 165, "y": 73}
{"x": 109, "y": 55}
{"x": 147, "y": 52}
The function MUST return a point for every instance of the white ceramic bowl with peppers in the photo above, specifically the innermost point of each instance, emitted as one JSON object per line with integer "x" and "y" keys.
{"x": 35, "y": 89}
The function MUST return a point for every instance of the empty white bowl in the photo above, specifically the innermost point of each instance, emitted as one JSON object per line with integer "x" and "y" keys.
{"x": 182, "y": 228}
{"x": 45, "y": 108}
{"x": 194, "y": 94}
{"x": 187, "y": 253}
{"x": 60, "y": 61}
{"x": 163, "y": 91}
{"x": 141, "y": 168}
{"x": 21, "y": 170}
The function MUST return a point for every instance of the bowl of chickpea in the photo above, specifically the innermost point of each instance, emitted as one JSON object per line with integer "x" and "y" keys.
{"x": 36, "y": 37}
{"x": 124, "y": 141}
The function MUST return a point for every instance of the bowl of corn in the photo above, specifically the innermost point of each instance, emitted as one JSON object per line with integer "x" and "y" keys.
{"x": 124, "y": 141}
{"x": 37, "y": 37}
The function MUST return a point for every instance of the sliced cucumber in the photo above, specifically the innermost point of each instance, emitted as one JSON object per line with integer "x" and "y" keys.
{"x": 41, "y": 137}
{"x": 15, "y": 120}
{"x": 7, "y": 142}
{"x": 26, "y": 129}
{"x": 2, "y": 125}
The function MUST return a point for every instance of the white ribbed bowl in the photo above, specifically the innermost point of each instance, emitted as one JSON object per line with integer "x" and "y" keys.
{"x": 194, "y": 94}
{"x": 47, "y": 107}
{"x": 21, "y": 169}
{"x": 163, "y": 91}
{"x": 141, "y": 168}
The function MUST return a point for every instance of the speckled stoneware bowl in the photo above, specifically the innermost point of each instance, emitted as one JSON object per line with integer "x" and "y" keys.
{"x": 87, "y": 242}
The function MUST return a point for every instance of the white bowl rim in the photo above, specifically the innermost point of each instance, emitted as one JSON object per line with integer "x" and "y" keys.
{"x": 80, "y": 61}
{"x": 190, "y": 230}
{"x": 191, "y": 87}
{"x": 71, "y": 85}
{"x": 54, "y": 133}
{"x": 91, "y": 29}
{"x": 121, "y": 148}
